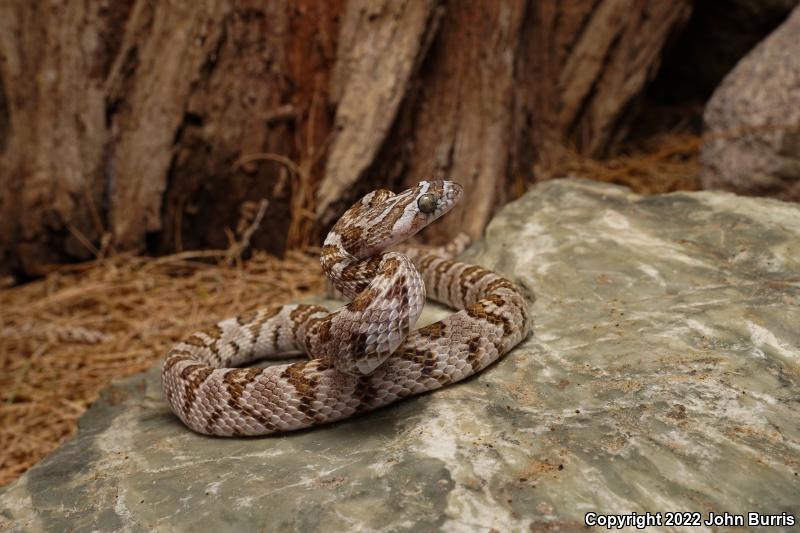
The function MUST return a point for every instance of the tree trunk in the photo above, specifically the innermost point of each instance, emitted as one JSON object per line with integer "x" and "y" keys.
{"x": 157, "y": 125}
{"x": 128, "y": 119}
{"x": 503, "y": 83}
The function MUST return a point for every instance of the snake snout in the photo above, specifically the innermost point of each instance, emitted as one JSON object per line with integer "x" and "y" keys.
{"x": 453, "y": 192}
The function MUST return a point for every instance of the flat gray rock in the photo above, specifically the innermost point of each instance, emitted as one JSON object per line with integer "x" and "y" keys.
{"x": 663, "y": 375}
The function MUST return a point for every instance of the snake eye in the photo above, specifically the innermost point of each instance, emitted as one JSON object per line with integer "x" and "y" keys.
{"x": 427, "y": 203}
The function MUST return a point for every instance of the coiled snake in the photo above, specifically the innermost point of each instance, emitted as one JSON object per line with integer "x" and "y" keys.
{"x": 364, "y": 355}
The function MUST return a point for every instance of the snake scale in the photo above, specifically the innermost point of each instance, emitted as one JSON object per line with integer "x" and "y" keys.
{"x": 364, "y": 355}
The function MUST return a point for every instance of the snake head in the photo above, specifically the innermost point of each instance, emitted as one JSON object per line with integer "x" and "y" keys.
{"x": 418, "y": 206}
{"x": 381, "y": 219}
{"x": 404, "y": 214}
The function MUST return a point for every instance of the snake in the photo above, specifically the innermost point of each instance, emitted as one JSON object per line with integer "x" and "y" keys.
{"x": 364, "y": 355}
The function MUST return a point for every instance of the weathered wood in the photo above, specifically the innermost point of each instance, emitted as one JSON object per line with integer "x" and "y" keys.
{"x": 380, "y": 45}
{"x": 53, "y": 62}
{"x": 503, "y": 84}
{"x": 464, "y": 110}
{"x": 127, "y": 119}
{"x": 612, "y": 60}
{"x": 602, "y": 54}
{"x": 158, "y": 125}
{"x": 262, "y": 94}
{"x": 166, "y": 47}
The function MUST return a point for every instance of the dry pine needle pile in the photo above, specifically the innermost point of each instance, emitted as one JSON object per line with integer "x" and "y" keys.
{"x": 63, "y": 338}
{"x": 661, "y": 164}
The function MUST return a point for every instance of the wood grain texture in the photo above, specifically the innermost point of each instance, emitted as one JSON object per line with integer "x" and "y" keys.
{"x": 380, "y": 45}
{"x": 503, "y": 86}
{"x": 122, "y": 123}
{"x": 156, "y": 126}
{"x": 53, "y": 67}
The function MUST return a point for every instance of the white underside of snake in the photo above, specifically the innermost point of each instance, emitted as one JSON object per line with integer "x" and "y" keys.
{"x": 364, "y": 355}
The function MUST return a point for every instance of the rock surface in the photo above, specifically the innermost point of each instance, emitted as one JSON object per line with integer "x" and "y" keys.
{"x": 753, "y": 120}
{"x": 664, "y": 375}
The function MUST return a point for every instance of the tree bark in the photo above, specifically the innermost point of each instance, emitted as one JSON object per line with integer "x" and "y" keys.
{"x": 157, "y": 125}
{"x": 52, "y": 180}
{"x": 504, "y": 84}
{"x": 127, "y": 119}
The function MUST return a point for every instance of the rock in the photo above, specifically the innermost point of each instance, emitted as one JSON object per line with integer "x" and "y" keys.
{"x": 753, "y": 121}
{"x": 663, "y": 376}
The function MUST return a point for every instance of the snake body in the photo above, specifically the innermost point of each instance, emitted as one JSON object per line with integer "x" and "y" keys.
{"x": 364, "y": 355}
